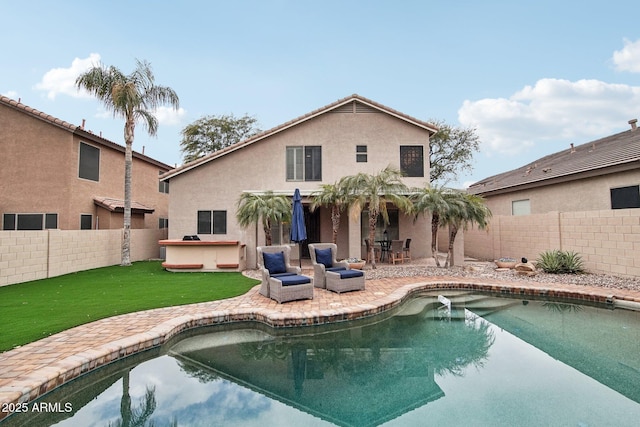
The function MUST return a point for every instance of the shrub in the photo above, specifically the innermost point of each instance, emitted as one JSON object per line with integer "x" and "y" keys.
{"x": 560, "y": 262}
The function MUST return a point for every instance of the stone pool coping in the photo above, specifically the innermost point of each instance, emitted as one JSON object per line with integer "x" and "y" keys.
{"x": 30, "y": 371}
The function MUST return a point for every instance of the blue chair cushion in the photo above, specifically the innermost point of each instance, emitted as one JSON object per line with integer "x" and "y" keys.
{"x": 323, "y": 256}
{"x": 277, "y": 275}
{"x": 274, "y": 262}
{"x": 294, "y": 280}
{"x": 347, "y": 274}
{"x": 336, "y": 268}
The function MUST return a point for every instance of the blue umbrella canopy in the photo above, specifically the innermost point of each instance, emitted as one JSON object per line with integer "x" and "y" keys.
{"x": 298, "y": 229}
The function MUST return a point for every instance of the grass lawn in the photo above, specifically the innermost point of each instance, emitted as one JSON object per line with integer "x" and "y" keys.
{"x": 34, "y": 310}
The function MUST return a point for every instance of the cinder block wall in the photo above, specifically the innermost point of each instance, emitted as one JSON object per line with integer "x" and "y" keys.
{"x": 607, "y": 240}
{"x": 32, "y": 255}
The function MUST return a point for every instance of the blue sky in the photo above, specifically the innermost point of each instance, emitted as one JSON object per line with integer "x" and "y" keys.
{"x": 530, "y": 76}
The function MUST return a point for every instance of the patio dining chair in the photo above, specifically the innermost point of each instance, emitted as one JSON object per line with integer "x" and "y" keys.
{"x": 397, "y": 251}
{"x": 406, "y": 251}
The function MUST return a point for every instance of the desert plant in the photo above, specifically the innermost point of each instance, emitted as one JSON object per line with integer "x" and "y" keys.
{"x": 560, "y": 262}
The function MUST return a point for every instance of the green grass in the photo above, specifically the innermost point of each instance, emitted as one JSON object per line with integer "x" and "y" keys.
{"x": 34, "y": 310}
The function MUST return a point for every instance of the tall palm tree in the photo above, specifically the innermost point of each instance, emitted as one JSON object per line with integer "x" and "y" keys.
{"x": 374, "y": 192}
{"x": 335, "y": 197}
{"x": 267, "y": 207}
{"x": 134, "y": 98}
{"x": 464, "y": 209}
{"x": 432, "y": 200}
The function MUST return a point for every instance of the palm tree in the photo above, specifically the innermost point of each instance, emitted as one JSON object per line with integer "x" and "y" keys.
{"x": 267, "y": 207}
{"x": 132, "y": 97}
{"x": 464, "y": 209}
{"x": 334, "y": 196}
{"x": 432, "y": 200}
{"x": 375, "y": 191}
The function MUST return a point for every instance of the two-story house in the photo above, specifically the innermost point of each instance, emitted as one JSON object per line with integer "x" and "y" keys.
{"x": 351, "y": 135}
{"x": 56, "y": 175}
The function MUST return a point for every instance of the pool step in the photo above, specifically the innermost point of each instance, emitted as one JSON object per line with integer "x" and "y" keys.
{"x": 479, "y": 304}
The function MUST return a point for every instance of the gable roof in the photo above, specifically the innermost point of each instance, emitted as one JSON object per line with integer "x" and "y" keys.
{"x": 76, "y": 130}
{"x": 355, "y": 101}
{"x": 610, "y": 154}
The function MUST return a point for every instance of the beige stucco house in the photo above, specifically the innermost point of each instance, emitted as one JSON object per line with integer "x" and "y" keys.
{"x": 351, "y": 135}
{"x": 584, "y": 198}
{"x": 56, "y": 175}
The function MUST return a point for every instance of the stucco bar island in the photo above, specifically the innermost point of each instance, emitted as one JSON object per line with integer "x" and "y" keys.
{"x": 204, "y": 255}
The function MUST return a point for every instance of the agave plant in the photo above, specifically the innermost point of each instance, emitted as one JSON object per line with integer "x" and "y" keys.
{"x": 560, "y": 262}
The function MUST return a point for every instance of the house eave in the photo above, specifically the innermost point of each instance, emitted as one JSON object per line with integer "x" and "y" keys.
{"x": 590, "y": 173}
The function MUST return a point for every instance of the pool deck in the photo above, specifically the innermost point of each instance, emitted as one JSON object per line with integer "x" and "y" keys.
{"x": 30, "y": 371}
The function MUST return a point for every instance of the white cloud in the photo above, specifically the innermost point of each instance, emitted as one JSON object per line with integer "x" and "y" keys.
{"x": 169, "y": 116}
{"x": 552, "y": 109}
{"x": 63, "y": 80}
{"x": 628, "y": 59}
{"x": 11, "y": 94}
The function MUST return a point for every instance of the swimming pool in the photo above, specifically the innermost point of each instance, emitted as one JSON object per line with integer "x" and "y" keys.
{"x": 485, "y": 361}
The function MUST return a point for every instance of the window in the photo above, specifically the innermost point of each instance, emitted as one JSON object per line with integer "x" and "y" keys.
{"x": 36, "y": 221}
{"x": 625, "y": 197}
{"x": 89, "y": 164}
{"x": 164, "y": 185}
{"x": 304, "y": 163}
{"x": 86, "y": 222}
{"x": 520, "y": 207}
{"x": 212, "y": 222}
{"x": 412, "y": 160}
{"x": 163, "y": 223}
{"x": 361, "y": 153}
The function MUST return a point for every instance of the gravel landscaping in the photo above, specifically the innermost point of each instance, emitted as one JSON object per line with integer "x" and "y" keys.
{"x": 487, "y": 270}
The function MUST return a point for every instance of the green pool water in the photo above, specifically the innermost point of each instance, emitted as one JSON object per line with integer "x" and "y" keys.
{"x": 486, "y": 361}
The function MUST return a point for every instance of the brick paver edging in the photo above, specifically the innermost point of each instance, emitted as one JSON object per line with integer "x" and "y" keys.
{"x": 30, "y": 371}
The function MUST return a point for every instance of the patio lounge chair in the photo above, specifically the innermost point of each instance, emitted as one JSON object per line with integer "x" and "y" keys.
{"x": 323, "y": 258}
{"x": 280, "y": 280}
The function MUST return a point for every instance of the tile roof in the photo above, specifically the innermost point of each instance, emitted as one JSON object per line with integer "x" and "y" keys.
{"x": 117, "y": 205}
{"x": 612, "y": 153}
{"x": 75, "y": 129}
{"x": 262, "y": 135}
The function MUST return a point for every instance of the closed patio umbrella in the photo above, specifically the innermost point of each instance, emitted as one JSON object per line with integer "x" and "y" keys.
{"x": 298, "y": 229}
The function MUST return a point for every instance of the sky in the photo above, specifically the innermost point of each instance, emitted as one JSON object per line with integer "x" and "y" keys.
{"x": 530, "y": 77}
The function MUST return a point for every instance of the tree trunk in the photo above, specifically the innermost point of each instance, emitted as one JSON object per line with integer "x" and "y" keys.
{"x": 129, "y": 128}
{"x": 453, "y": 231}
{"x": 266, "y": 226}
{"x": 435, "y": 224}
{"x": 373, "y": 219}
{"x": 335, "y": 222}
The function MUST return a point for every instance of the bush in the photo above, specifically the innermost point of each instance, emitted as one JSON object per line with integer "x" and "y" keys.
{"x": 560, "y": 262}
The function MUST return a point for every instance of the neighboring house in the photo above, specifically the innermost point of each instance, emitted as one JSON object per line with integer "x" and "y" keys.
{"x": 584, "y": 198}
{"x": 351, "y": 135}
{"x": 55, "y": 175}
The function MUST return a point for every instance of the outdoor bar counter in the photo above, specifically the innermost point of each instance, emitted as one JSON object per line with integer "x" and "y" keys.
{"x": 204, "y": 255}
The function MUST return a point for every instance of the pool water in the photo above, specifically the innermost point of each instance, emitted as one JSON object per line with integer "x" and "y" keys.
{"x": 485, "y": 361}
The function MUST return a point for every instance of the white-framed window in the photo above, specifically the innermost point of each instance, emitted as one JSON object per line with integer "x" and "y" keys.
{"x": 89, "y": 162}
{"x": 163, "y": 223}
{"x": 29, "y": 221}
{"x": 304, "y": 163}
{"x": 521, "y": 207}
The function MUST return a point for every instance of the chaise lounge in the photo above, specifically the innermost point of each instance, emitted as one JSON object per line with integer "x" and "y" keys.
{"x": 331, "y": 274}
{"x": 280, "y": 280}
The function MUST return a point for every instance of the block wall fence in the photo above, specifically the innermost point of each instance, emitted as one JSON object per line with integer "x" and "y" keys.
{"x": 32, "y": 255}
{"x": 607, "y": 240}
